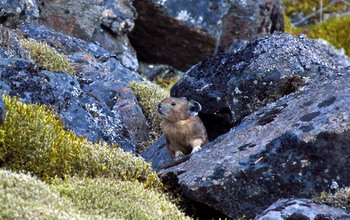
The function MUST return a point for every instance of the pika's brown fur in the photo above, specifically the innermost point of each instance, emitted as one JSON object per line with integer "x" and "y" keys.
{"x": 183, "y": 129}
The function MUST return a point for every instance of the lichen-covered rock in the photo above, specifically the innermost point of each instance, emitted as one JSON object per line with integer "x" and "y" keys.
{"x": 10, "y": 45}
{"x": 84, "y": 114}
{"x": 231, "y": 86}
{"x": 302, "y": 209}
{"x": 77, "y": 18}
{"x": 198, "y": 29}
{"x": 100, "y": 75}
{"x": 14, "y": 12}
{"x": 295, "y": 147}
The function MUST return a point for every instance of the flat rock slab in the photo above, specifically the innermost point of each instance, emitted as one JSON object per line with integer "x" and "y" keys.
{"x": 295, "y": 147}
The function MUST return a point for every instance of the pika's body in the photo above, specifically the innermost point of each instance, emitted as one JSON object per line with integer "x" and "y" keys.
{"x": 183, "y": 129}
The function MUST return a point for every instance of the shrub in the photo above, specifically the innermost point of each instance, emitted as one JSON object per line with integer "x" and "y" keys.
{"x": 148, "y": 97}
{"x": 46, "y": 57}
{"x": 116, "y": 199}
{"x": 32, "y": 139}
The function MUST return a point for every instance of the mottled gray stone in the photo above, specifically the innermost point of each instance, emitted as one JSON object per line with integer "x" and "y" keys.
{"x": 2, "y": 111}
{"x": 300, "y": 209}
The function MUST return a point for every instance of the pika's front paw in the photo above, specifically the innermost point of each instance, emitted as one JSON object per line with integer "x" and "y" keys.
{"x": 195, "y": 149}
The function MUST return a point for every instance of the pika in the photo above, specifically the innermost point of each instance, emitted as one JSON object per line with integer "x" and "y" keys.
{"x": 183, "y": 129}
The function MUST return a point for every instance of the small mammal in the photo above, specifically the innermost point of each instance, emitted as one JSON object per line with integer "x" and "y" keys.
{"x": 183, "y": 129}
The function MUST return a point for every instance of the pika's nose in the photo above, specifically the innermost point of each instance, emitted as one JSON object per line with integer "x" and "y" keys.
{"x": 159, "y": 106}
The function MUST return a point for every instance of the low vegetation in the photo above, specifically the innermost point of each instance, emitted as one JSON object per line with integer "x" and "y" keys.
{"x": 46, "y": 57}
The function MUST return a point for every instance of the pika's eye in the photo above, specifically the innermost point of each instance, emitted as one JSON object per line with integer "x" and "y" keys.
{"x": 173, "y": 103}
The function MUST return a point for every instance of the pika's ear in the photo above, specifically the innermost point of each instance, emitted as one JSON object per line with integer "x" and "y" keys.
{"x": 183, "y": 98}
{"x": 194, "y": 107}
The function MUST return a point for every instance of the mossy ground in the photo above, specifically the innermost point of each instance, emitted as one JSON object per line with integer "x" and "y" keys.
{"x": 46, "y": 57}
{"x": 86, "y": 179}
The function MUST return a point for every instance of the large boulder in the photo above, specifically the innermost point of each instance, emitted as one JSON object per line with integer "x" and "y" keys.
{"x": 182, "y": 33}
{"x": 301, "y": 209}
{"x": 96, "y": 101}
{"x": 230, "y": 86}
{"x": 15, "y": 12}
{"x": 295, "y": 147}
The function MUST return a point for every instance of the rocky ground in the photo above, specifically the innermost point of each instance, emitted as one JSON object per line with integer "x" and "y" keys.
{"x": 275, "y": 105}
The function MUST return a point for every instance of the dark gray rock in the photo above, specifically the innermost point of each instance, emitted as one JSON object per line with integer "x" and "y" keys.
{"x": 80, "y": 112}
{"x": 15, "y": 12}
{"x": 295, "y": 147}
{"x": 77, "y": 18}
{"x": 157, "y": 154}
{"x": 109, "y": 83}
{"x": 299, "y": 209}
{"x": 2, "y": 111}
{"x": 182, "y": 33}
{"x": 231, "y": 86}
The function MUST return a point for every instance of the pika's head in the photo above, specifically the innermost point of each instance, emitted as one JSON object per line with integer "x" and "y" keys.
{"x": 175, "y": 109}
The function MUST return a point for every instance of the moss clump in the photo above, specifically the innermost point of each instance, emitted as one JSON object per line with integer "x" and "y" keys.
{"x": 117, "y": 199}
{"x": 46, "y": 57}
{"x": 148, "y": 97}
{"x": 340, "y": 199}
{"x": 25, "y": 197}
{"x": 32, "y": 139}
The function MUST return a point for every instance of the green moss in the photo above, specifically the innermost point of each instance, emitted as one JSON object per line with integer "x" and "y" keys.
{"x": 334, "y": 30}
{"x": 25, "y": 197}
{"x": 117, "y": 199}
{"x": 46, "y": 57}
{"x": 32, "y": 139}
{"x": 148, "y": 97}
{"x": 340, "y": 199}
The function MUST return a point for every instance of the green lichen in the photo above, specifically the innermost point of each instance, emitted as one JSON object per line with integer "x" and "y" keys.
{"x": 31, "y": 139}
{"x": 148, "y": 97}
{"x": 340, "y": 199}
{"x": 46, "y": 57}
{"x": 334, "y": 30}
